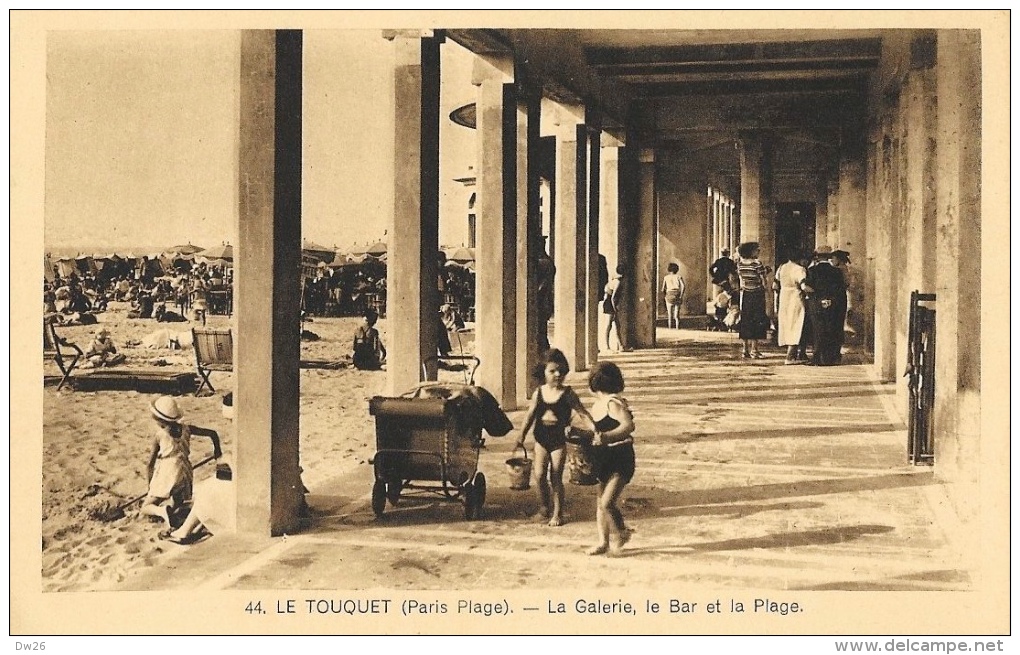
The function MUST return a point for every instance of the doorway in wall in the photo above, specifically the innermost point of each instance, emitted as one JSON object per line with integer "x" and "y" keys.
{"x": 795, "y": 230}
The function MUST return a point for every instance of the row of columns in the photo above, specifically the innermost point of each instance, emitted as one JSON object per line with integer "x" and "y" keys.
{"x": 924, "y": 232}
{"x": 267, "y": 343}
{"x": 509, "y": 226}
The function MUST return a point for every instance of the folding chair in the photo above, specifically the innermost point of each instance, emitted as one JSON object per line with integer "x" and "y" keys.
{"x": 54, "y": 348}
{"x": 214, "y": 351}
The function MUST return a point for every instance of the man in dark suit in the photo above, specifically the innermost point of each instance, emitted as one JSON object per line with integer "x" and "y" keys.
{"x": 722, "y": 271}
{"x": 826, "y": 304}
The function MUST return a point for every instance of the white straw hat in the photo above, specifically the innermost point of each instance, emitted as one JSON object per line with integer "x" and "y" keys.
{"x": 166, "y": 409}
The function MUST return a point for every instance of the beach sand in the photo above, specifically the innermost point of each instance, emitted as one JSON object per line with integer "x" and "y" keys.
{"x": 96, "y": 444}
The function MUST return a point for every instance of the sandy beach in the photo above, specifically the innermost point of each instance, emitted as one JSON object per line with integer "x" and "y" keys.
{"x": 95, "y": 445}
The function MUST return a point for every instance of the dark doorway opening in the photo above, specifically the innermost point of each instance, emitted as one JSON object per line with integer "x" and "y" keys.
{"x": 795, "y": 229}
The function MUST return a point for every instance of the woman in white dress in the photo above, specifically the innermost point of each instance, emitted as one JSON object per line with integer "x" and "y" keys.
{"x": 789, "y": 280}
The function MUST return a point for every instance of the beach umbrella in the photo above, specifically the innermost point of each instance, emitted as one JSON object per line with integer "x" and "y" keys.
{"x": 218, "y": 253}
{"x": 463, "y": 255}
{"x": 377, "y": 249}
{"x": 186, "y": 249}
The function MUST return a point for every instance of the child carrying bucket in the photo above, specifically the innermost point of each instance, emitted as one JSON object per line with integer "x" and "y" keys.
{"x": 549, "y": 412}
{"x": 614, "y": 448}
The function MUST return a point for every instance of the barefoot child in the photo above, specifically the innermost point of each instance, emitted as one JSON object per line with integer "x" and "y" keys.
{"x": 614, "y": 445}
{"x": 550, "y": 413}
{"x": 169, "y": 467}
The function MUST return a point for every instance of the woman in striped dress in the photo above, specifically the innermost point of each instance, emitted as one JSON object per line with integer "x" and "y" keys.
{"x": 754, "y": 323}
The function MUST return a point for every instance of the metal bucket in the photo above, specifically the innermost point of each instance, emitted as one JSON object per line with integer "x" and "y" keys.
{"x": 519, "y": 470}
{"x": 581, "y": 464}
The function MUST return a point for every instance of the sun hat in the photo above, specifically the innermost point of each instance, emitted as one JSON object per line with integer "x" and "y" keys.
{"x": 102, "y": 332}
{"x": 166, "y": 408}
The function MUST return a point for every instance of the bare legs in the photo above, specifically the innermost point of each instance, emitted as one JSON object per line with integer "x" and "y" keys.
{"x": 612, "y": 532}
{"x": 613, "y": 320}
{"x": 673, "y": 313}
{"x": 549, "y": 480}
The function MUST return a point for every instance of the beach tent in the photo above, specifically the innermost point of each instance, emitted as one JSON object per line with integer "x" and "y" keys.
{"x": 217, "y": 255}
{"x": 48, "y": 272}
{"x": 314, "y": 250}
{"x": 377, "y": 249}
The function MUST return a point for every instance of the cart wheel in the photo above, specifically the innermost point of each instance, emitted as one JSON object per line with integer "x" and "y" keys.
{"x": 479, "y": 485}
{"x": 470, "y": 501}
{"x": 379, "y": 498}
{"x": 393, "y": 489}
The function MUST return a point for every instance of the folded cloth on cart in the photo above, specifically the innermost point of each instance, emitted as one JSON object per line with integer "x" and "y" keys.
{"x": 477, "y": 399}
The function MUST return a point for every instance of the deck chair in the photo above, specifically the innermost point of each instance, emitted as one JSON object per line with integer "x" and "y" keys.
{"x": 56, "y": 347}
{"x": 214, "y": 351}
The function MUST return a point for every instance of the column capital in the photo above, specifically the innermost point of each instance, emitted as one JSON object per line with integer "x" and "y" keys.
{"x": 563, "y": 119}
{"x": 492, "y": 68}
{"x": 390, "y": 35}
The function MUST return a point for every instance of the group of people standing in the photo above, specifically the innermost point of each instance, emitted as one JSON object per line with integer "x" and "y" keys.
{"x": 813, "y": 304}
{"x": 810, "y": 295}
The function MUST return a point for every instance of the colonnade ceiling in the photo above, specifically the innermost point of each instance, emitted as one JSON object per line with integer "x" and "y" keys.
{"x": 666, "y": 84}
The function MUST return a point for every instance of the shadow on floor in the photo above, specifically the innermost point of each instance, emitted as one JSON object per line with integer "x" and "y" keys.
{"x": 827, "y": 536}
{"x": 782, "y": 433}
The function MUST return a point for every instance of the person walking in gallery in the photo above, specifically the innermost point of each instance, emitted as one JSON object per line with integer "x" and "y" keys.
{"x": 614, "y": 448}
{"x": 790, "y": 278}
{"x": 826, "y": 304}
{"x": 754, "y": 323}
{"x": 545, "y": 275}
{"x": 673, "y": 289}
{"x": 550, "y": 411}
{"x": 611, "y": 307}
{"x": 722, "y": 271}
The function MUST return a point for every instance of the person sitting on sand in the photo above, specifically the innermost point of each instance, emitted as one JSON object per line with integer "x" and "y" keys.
{"x": 169, "y": 467}
{"x": 369, "y": 353}
{"x": 102, "y": 352}
{"x": 164, "y": 315}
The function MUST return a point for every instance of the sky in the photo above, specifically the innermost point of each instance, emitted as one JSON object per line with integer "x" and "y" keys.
{"x": 141, "y": 138}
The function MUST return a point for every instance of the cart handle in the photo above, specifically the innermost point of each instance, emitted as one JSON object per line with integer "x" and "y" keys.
{"x": 453, "y": 358}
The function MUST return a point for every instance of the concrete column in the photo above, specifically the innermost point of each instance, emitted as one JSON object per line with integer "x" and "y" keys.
{"x": 267, "y": 341}
{"x": 885, "y": 254}
{"x": 872, "y": 211}
{"x": 642, "y": 269}
{"x": 711, "y": 254}
{"x": 609, "y": 214}
{"x": 529, "y": 241}
{"x": 821, "y": 211}
{"x": 834, "y": 217}
{"x": 628, "y": 233}
{"x": 920, "y": 121}
{"x": 594, "y": 199}
{"x": 757, "y": 218}
{"x": 495, "y": 277}
{"x": 853, "y": 238}
{"x": 571, "y": 248}
{"x": 412, "y": 262}
{"x": 728, "y": 212}
{"x": 959, "y": 439}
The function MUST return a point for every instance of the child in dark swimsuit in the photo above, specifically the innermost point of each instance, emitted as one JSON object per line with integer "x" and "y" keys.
{"x": 614, "y": 445}
{"x": 550, "y": 412}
